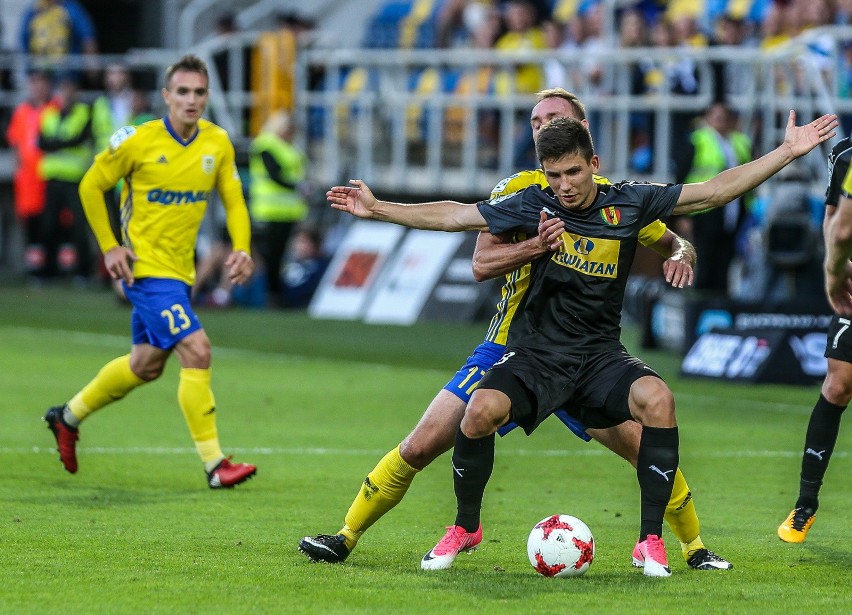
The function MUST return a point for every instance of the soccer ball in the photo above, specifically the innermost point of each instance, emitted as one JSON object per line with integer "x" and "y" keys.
{"x": 561, "y": 546}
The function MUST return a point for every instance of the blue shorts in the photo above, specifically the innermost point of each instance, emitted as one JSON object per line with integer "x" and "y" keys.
{"x": 468, "y": 377}
{"x": 162, "y": 314}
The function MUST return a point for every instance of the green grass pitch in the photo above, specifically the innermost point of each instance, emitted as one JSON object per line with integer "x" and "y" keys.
{"x": 315, "y": 405}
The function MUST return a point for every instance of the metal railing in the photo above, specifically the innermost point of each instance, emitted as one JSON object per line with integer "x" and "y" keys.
{"x": 149, "y": 63}
{"x": 365, "y": 129}
{"x": 407, "y": 139}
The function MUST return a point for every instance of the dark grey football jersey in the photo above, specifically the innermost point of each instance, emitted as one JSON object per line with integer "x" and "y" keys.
{"x": 575, "y": 297}
{"x": 838, "y": 165}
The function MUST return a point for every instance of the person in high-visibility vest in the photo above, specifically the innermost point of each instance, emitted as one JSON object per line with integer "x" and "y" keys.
{"x": 715, "y": 146}
{"x": 22, "y": 135}
{"x": 277, "y": 171}
{"x": 114, "y": 108}
{"x": 66, "y": 140}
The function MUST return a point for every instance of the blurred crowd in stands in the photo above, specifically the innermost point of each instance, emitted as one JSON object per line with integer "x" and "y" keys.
{"x": 68, "y": 111}
{"x": 743, "y": 253}
{"x": 508, "y": 25}
{"x": 586, "y": 29}
{"x": 55, "y": 131}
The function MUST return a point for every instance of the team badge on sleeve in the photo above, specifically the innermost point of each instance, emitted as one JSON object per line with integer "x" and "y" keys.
{"x": 120, "y": 136}
{"x": 611, "y": 215}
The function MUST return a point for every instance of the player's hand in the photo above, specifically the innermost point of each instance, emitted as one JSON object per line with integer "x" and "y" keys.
{"x": 550, "y": 232}
{"x": 802, "y": 139}
{"x": 119, "y": 264}
{"x": 678, "y": 270}
{"x": 240, "y": 266}
{"x": 838, "y": 289}
{"x": 356, "y": 199}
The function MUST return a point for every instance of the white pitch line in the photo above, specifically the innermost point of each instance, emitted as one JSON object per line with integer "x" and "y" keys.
{"x": 79, "y": 337}
{"x": 101, "y": 339}
{"x": 320, "y": 452}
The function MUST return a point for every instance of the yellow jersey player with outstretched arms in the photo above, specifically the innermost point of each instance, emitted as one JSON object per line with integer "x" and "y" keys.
{"x": 170, "y": 167}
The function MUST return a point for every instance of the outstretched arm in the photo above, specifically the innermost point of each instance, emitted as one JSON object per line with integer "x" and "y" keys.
{"x": 680, "y": 258}
{"x": 733, "y": 183}
{"x": 359, "y": 201}
{"x": 497, "y": 255}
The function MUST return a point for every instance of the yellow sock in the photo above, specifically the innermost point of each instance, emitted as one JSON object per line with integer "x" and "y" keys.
{"x": 383, "y": 489}
{"x": 114, "y": 381}
{"x": 681, "y": 516}
{"x": 199, "y": 409}
{"x": 688, "y": 548}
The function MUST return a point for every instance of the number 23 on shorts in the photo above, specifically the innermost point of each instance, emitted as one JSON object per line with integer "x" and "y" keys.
{"x": 177, "y": 319}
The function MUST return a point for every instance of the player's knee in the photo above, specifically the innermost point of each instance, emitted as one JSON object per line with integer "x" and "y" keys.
{"x": 477, "y": 425}
{"x": 419, "y": 452}
{"x": 201, "y": 353}
{"x": 414, "y": 454}
{"x": 435, "y": 433}
{"x": 147, "y": 371}
{"x": 195, "y": 352}
{"x": 837, "y": 391}
{"x": 203, "y": 357}
{"x": 652, "y": 403}
{"x": 483, "y": 416}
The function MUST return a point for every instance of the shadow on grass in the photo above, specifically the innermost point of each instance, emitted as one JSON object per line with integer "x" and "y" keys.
{"x": 815, "y": 554}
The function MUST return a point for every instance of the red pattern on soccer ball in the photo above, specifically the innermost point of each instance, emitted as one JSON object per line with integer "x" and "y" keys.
{"x": 553, "y": 523}
{"x": 545, "y": 569}
{"x": 587, "y": 552}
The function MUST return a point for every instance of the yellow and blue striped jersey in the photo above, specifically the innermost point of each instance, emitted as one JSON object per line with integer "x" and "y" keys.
{"x": 517, "y": 282}
{"x": 167, "y": 186}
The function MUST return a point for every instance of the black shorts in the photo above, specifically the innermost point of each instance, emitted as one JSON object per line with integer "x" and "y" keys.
{"x": 838, "y": 344}
{"x": 591, "y": 388}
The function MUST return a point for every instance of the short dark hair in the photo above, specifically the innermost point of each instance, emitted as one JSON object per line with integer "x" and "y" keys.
{"x": 562, "y": 136}
{"x": 190, "y": 63}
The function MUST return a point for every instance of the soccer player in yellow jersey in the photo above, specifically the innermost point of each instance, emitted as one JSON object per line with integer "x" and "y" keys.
{"x": 169, "y": 167}
{"x": 434, "y": 435}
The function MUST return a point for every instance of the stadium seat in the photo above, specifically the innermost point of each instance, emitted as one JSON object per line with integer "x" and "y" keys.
{"x": 383, "y": 29}
{"x": 404, "y": 24}
{"x": 750, "y": 10}
{"x": 424, "y": 82}
{"x": 420, "y": 28}
{"x": 355, "y": 80}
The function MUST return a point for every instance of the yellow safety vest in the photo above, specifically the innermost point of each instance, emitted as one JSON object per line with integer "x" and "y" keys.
{"x": 70, "y": 163}
{"x": 709, "y": 159}
{"x": 270, "y": 201}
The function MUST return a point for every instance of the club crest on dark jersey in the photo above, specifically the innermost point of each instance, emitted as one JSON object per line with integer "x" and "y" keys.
{"x": 611, "y": 215}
